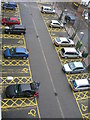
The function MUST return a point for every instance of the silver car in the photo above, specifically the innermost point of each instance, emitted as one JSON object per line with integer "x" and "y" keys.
{"x": 70, "y": 52}
{"x": 56, "y": 24}
{"x": 63, "y": 41}
{"x": 81, "y": 84}
{"x": 47, "y": 9}
{"x": 74, "y": 67}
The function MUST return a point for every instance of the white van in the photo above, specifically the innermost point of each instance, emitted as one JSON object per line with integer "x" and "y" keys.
{"x": 70, "y": 52}
{"x": 47, "y": 9}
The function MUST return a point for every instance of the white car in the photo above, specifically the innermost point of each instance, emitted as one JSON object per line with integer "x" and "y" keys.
{"x": 81, "y": 84}
{"x": 70, "y": 52}
{"x": 63, "y": 41}
{"x": 74, "y": 67}
{"x": 56, "y": 24}
{"x": 47, "y": 9}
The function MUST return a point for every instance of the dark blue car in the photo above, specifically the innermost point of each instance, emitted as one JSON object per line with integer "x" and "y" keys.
{"x": 10, "y": 5}
{"x": 16, "y": 53}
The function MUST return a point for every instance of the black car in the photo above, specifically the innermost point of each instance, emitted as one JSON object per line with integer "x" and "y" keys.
{"x": 15, "y": 29}
{"x": 23, "y": 90}
{"x": 70, "y": 18}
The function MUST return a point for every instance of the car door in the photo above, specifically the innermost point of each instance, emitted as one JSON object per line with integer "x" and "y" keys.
{"x": 78, "y": 70}
{"x": 65, "y": 43}
{"x": 15, "y": 30}
{"x": 76, "y": 54}
{"x": 57, "y": 25}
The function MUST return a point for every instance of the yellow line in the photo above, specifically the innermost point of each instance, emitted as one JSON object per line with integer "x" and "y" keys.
{"x": 38, "y": 109}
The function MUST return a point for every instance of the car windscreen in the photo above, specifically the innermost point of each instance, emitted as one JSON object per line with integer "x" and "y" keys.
{"x": 12, "y": 51}
{"x": 58, "y": 39}
{"x": 16, "y": 88}
{"x": 7, "y": 19}
{"x": 74, "y": 83}
{"x": 72, "y": 66}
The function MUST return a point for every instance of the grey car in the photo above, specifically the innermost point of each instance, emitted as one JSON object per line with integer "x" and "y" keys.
{"x": 74, "y": 67}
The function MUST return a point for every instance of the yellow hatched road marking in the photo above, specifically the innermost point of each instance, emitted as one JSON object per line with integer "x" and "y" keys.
{"x": 12, "y": 36}
{"x": 5, "y": 47}
{"x": 82, "y": 95}
{"x": 86, "y": 116}
{"x": 16, "y": 80}
{"x": 18, "y": 102}
{"x": 77, "y": 76}
{"x": 15, "y": 62}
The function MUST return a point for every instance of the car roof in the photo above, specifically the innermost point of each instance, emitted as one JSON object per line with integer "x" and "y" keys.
{"x": 13, "y": 18}
{"x": 20, "y": 50}
{"x": 19, "y": 26}
{"x": 71, "y": 15}
{"x": 55, "y": 21}
{"x": 63, "y": 39}
{"x": 78, "y": 64}
{"x": 70, "y": 49}
{"x": 47, "y": 7}
{"x": 13, "y": 3}
{"x": 25, "y": 87}
{"x": 82, "y": 82}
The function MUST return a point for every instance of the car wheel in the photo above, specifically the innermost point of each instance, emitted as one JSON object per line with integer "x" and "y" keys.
{"x": 21, "y": 33}
{"x": 24, "y": 58}
{"x": 51, "y": 26}
{"x": 66, "y": 57}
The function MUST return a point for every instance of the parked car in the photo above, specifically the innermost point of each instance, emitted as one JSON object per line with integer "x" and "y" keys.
{"x": 15, "y": 29}
{"x": 56, "y": 24}
{"x": 23, "y": 90}
{"x": 10, "y": 21}
{"x": 70, "y": 17}
{"x": 81, "y": 84}
{"x": 16, "y": 53}
{"x": 47, "y": 9}
{"x": 10, "y": 5}
{"x": 70, "y": 52}
{"x": 63, "y": 41}
{"x": 74, "y": 67}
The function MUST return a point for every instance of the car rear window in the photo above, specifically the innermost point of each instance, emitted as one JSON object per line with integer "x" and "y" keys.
{"x": 12, "y": 50}
{"x": 62, "y": 50}
{"x": 58, "y": 39}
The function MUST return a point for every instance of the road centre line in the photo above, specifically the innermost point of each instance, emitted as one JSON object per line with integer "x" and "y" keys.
{"x": 47, "y": 67}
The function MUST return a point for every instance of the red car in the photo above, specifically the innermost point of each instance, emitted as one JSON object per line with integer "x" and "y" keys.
{"x": 10, "y": 21}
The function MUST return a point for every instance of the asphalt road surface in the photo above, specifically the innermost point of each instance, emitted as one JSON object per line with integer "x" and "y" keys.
{"x": 56, "y": 99}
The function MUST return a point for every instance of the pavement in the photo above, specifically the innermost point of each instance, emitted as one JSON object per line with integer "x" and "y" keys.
{"x": 70, "y": 29}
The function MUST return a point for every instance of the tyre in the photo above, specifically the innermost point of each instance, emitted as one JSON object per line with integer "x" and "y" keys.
{"x": 24, "y": 58}
{"x": 9, "y": 57}
{"x": 8, "y": 32}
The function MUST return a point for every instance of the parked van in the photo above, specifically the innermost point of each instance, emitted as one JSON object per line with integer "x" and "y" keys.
{"x": 47, "y": 9}
{"x": 70, "y": 52}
